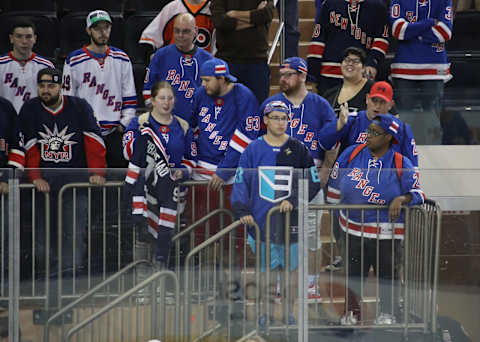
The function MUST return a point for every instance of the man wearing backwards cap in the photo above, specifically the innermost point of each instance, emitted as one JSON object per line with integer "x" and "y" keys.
{"x": 226, "y": 114}
{"x": 352, "y": 127}
{"x": 275, "y": 154}
{"x": 61, "y": 132}
{"x": 386, "y": 178}
{"x": 103, "y": 75}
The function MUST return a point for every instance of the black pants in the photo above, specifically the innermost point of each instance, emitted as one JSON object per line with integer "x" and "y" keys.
{"x": 113, "y": 143}
{"x": 387, "y": 269}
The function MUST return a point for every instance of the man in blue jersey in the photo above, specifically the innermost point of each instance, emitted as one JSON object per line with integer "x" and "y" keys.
{"x": 267, "y": 175}
{"x": 352, "y": 127}
{"x": 420, "y": 66}
{"x": 178, "y": 64}
{"x": 374, "y": 173}
{"x": 309, "y": 114}
{"x": 225, "y": 115}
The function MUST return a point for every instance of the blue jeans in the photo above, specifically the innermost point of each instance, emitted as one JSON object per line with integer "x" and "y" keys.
{"x": 292, "y": 34}
{"x": 255, "y": 76}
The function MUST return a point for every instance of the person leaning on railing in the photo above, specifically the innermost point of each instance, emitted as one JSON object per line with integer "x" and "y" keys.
{"x": 373, "y": 173}
{"x": 163, "y": 143}
{"x": 273, "y": 158}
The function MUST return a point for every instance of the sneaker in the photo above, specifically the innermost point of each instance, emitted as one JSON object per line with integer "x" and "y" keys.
{"x": 385, "y": 319}
{"x": 314, "y": 291}
{"x": 336, "y": 265}
{"x": 291, "y": 319}
{"x": 262, "y": 321}
{"x": 349, "y": 319}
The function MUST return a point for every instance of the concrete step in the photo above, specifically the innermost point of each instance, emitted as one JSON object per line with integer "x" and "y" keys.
{"x": 305, "y": 26}
{"x": 306, "y": 9}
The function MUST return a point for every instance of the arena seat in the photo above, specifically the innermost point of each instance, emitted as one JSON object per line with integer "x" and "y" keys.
{"x": 139, "y": 75}
{"x": 71, "y": 6}
{"x": 145, "y": 5}
{"x": 30, "y": 5}
{"x": 465, "y": 33}
{"x": 47, "y": 32}
{"x": 134, "y": 26}
{"x": 73, "y": 35}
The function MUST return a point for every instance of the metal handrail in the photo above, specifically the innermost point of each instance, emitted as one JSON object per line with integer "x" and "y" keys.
{"x": 275, "y": 42}
{"x": 90, "y": 293}
{"x": 204, "y": 245}
{"x": 127, "y": 294}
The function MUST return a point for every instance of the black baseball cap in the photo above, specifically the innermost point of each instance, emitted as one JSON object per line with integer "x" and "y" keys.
{"x": 55, "y": 73}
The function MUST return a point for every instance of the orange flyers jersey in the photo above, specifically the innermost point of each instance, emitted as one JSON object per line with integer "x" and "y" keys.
{"x": 160, "y": 31}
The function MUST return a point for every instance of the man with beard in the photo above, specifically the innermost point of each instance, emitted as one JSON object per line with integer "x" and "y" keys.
{"x": 308, "y": 114}
{"x": 61, "y": 132}
{"x": 227, "y": 120}
{"x": 103, "y": 75}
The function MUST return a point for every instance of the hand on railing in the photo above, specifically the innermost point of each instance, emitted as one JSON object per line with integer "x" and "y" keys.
{"x": 215, "y": 183}
{"x": 3, "y": 188}
{"x": 286, "y": 206}
{"x": 41, "y": 185}
{"x": 97, "y": 180}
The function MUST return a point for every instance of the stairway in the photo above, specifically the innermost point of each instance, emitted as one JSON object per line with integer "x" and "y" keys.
{"x": 306, "y": 13}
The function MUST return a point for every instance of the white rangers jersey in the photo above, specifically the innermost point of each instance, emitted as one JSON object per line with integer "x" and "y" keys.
{"x": 19, "y": 82}
{"x": 106, "y": 82}
{"x": 160, "y": 31}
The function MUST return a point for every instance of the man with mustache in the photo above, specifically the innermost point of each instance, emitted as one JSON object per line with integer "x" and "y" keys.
{"x": 103, "y": 75}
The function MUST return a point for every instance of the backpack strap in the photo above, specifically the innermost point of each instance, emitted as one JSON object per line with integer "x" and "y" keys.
{"x": 398, "y": 159}
{"x": 356, "y": 151}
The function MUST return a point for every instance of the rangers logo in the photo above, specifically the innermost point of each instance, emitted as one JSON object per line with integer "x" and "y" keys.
{"x": 55, "y": 146}
{"x": 275, "y": 183}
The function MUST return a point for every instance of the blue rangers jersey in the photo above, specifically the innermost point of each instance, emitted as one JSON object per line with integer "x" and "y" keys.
{"x": 343, "y": 23}
{"x": 177, "y": 138}
{"x": 19, "y": 78}
{"x": 68, "y": 137}
{"x": 355, "y": 132}
{"x": 306, "y": 121}
{"x": 182, "y": 71}
{"x": 106, "y": 82}
{"x": 12, "y": 153}
{"x": 421, "y": 27}
{"x": 225, "y": 127}
{"x": 359, "y": 178}
{"x": 153, "y": 189}
{"x": 267, "y": 175}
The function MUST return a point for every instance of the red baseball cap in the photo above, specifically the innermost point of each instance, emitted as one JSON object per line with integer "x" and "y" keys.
{"x": 381, "y": 89}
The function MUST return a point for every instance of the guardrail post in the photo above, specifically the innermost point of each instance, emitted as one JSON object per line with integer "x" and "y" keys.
{"x": 13, "y": 259}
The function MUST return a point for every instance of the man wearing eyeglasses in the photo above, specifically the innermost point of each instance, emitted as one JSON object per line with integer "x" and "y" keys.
{"x": 308, "y": 114}
{"x": 352, "y": 127}
{"x": 179, "y": 65}
{"x": 274, "y": 158}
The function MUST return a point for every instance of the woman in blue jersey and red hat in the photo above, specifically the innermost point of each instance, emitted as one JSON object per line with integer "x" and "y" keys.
{"x": 373, "y": 173}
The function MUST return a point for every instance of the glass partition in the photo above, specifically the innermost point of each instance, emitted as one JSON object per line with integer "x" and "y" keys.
{"x": 110, "y": 261}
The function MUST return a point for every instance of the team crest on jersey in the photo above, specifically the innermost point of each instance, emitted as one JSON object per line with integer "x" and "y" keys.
{"x": 56, "y": 146}
{"x": 275, "y": 183}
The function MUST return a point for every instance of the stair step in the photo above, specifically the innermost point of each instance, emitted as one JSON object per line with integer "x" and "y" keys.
{"x": 306, "y": 9}
{"x": 305, "y": 26}
{"x": 302, "y": 52}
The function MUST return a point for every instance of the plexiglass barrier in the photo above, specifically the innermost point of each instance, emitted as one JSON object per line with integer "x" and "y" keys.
{"x": 89, "y": 260}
